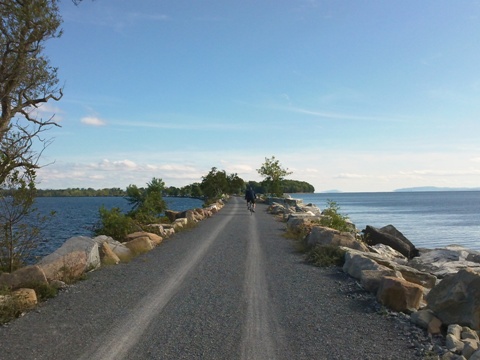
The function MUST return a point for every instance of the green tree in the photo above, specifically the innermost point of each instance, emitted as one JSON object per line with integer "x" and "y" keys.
{"x": 214, "y": 185}
{"x": 273, "y": 174}
{"x": 147, "y": 204}
{"x": 235, "y": 184}
{"x": 20, "y": 223}
{"x": 26, "y": 78}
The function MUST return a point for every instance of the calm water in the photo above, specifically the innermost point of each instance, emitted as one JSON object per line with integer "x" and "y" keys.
{"x": 77, "y": 216}
{"x": 427, "y": 219}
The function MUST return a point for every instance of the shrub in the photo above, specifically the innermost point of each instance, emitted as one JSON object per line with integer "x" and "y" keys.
{"x": 326, "y": 255}
{"x": 114, "y": 223}
{"x": 44, "y": 291}
{"x": 333, "y": 219}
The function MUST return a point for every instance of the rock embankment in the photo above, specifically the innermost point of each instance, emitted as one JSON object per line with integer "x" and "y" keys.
{"x": 437, "y": 289}
{"x": 81, "y": 254}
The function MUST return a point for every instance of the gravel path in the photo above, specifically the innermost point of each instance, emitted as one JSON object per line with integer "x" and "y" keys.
{"x": 232, "y": 288}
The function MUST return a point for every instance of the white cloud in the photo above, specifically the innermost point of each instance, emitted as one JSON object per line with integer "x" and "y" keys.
{"x": 350, "y": 176}
{"x": 108, "y": 165}
{"x": 92, "y": 121}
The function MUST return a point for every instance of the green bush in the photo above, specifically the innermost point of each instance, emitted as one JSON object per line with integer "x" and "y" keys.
{"x": 333, "y": 219}
{"x": 114, "y": 223}
{"x": 326, "y": 255}
{"x": 44, "y": 291}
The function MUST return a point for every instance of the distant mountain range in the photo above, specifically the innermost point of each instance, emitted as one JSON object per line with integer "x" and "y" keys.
{"x": 434, "y": 188}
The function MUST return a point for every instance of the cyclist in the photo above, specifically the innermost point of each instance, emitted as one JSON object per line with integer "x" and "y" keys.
{"x": 250, "y": 197}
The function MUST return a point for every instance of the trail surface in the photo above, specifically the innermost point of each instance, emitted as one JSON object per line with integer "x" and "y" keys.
{"x": 231, "y": 288}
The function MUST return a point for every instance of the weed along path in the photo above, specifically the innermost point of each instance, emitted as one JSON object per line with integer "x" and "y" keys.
{"x": 231, "y": 288}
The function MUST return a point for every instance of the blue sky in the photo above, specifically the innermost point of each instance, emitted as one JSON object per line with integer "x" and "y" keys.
{"x": 351, "y": 95}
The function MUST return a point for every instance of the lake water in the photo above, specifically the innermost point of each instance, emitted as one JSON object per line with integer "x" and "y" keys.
{"x": 427, "y": 219}
{"x": 77, "y": 216}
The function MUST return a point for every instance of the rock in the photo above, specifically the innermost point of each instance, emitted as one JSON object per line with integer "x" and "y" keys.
{"x": 371, "y": 279}
{"x": 157, "y": 229}
{"x": 156, "y": 239}
{"x": 76, "y": 256}
{"x": 422, "y": 318}
{"x": 388, "y": 253}
{"x": 23, "y": 277}
{"x": 389, "y": 235}
{"x": 423, "y": 279}
{"x": 456, "y": 299}
{"x": 295, "y": 221}
{"x": 453, "y": 344}
{"x": 455, "y": 330}
{"x": 180, "y": 223}
{"x": 109, "y": 257}
{"x": 140, "y": 245}
{"x": 468, "y": 333}
{"x": 469, "y": 348}
{"x": 356, "y": 263}
{"x": 187, "y": 214}
{"x": 171, "y": 215}
{"x": 276, "y": 209}
{"x": 435, "y": 326}
{"x": 442, "y": 262}
{"x": 475, "y": 355}
{"x": 399, "y": 295}
{"x": 119, "y": 249}
{"x": 320, "y": 235}
{"x": 67, "y": 267}
{"x": 25, "y": 298}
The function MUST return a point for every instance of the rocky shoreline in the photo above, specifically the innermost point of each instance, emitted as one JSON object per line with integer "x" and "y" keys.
{"x": 81, "y": 254}
{"x": 434, "y": 294}
{"x": 436, "y": 290}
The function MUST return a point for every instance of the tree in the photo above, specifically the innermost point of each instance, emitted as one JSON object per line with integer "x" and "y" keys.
{"x": 214, "y": 185}
{"x": 235, "y": 184}
{"x": 20, "y": 223}
{"x": 147, "y": 204}
{"x": 27, "y": 79}
{"x": 273, "y": 173}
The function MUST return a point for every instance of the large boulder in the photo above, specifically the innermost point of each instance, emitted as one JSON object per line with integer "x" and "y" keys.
{"x": 76, "y": 256}
{"x": 370, "y": 267}
{"x": 445, "y": 261}
{"x": 23, "y": 277}
{"x": 389, "y": 235}
{"x": 118, "y": 248}
{"x": 456, "y": 299}
{"x": 189, "y": 215}
{"x": 400, "y": 295}
{"x": 140, "y": 245}
{"x": 320, "y": 235}
{"x": 156, "y": 239}
{"x": 356, "y": 263}
{"x": 301, "y": 220}
{"x": 108, "y": 256}
{"x": 171, "y": 215}
{"x": 26, "y": 298}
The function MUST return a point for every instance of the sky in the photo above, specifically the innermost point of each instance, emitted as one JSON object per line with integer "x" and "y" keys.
{"x": 349, "y": 95}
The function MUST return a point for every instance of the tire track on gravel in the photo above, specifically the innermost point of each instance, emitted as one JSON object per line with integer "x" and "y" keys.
{"x": 260, "y": 323}
{"x": 116, "y": 344}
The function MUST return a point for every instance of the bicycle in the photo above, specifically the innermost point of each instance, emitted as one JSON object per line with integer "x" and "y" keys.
{"x": 250, "y": 207}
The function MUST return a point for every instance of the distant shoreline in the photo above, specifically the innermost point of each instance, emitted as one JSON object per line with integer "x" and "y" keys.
{"x": 412, "y": 189}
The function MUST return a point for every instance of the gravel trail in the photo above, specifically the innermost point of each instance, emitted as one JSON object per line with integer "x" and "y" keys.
{"x": 231, "y": 288}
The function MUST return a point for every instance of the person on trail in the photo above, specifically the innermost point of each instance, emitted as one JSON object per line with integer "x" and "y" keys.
{"x": 250, "y": 197}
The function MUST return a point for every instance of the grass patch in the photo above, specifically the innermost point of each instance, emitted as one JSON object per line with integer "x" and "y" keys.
{"x": 9, "y": 308}
{"x": 298, "y": 235}
{"x": 326, "y": 255}
{"x": 44, "y": 291}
